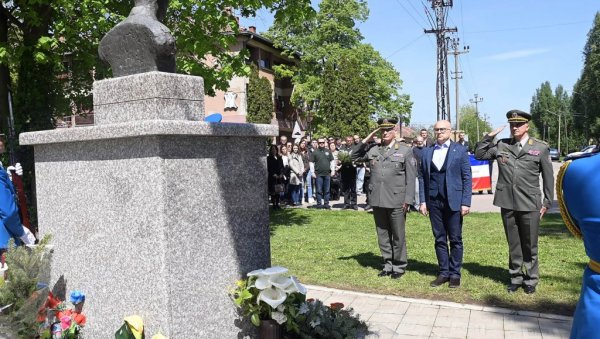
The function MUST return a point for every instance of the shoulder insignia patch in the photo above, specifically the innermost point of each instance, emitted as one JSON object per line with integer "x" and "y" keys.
{"x": 538, "y": 140}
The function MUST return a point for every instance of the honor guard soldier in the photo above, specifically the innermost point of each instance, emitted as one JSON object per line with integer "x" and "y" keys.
{"x": 391, "y": 192}
{"x": 521, "y": 159}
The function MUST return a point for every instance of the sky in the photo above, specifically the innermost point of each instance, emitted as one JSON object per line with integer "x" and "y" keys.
{"x": 514, "y": 46}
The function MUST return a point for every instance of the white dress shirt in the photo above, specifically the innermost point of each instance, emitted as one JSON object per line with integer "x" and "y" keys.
{"x": 439, "y": 154}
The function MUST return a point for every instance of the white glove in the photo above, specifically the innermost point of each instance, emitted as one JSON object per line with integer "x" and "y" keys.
{"x": 28, "y": 238}
{"x": 17, "y": 168}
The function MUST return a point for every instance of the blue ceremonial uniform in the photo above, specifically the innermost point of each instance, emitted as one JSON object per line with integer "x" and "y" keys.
{"x": 9, "y": 212}
{"x": 579, "y": 207}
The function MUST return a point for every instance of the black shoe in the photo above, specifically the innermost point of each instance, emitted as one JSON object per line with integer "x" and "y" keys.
{"x": 396, "y": 275}
{"x": 346, "y": 207}
{"x": 354, "y": 207}
{"x": 327, "y": 207}
{"x": 529, "y": 289}
{"x": 440, "y": 280}
{"x": 367, "y": 207}
{"x": 454, "y": 283}
{"x": 512, "y": 288}
{"x": 384, "y": 273}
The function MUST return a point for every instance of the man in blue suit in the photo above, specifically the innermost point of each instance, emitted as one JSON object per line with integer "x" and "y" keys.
{"x": 445, "y": 194}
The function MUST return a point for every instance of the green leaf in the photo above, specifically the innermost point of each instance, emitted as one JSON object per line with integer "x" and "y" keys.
{"x": 255, "y": 319}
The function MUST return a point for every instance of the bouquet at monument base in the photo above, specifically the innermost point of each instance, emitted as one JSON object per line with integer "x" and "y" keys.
{"x": 272, "y": 295}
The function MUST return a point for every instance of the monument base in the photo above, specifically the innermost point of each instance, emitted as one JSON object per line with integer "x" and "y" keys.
{"x": 156, "y": 218}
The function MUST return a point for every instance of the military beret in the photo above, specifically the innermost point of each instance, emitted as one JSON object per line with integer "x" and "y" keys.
{"x": 387, "y": 123}
{"x": 518, "y": 116}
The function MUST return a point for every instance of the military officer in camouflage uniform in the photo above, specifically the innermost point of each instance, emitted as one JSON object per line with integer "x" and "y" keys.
{"x": 521, "y": 159}
{"x": 391, "y": 192}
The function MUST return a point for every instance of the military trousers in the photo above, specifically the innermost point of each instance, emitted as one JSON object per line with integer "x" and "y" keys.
{"x": 521, "y": 229}
{"x": 349, "y": 185}
{"x": 390, "y": 224}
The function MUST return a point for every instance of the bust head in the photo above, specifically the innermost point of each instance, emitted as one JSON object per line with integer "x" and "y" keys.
{"x": 156, "y": 8}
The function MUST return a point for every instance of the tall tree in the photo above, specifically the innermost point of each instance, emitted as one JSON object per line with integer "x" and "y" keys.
{"x": 329, "y": 35}
{"x": 345, "y": 99}
{"x": 470, "y": 121}
{"x": 586, "y": 93}
{"x": 260, "y": 99}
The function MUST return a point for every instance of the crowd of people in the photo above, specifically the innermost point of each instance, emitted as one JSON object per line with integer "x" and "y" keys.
{"x": 293, "y": 182}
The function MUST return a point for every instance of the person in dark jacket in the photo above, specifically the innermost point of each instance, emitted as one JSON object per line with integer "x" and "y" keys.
{"x": 275, "y": 170}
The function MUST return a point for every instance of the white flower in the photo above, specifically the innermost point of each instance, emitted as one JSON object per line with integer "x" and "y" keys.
{"x": 280, "y": 282}
{"x": 264, "y": 277}
{"x": 296, "y": 286}
{"x": 279, "y": 317}
{"x": 281, "y": 308}
{"x": 303, "y": 309}
{"x": 315, "y": 323}
{"x": 272, "y": 296}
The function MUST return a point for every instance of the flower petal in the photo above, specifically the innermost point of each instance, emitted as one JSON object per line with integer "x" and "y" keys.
{"x": 255, "y": 273}
{"x": 296, "y": 286}
{"x": 280, "y": 282}
{"x": 275, "y": 270}
{"x": 262, "y": 282}
{"x": 272, "y": 296}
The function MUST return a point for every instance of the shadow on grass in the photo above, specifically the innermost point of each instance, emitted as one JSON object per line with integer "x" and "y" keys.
{"x": 494, "y": 273}
{"x": 542, "y": 305}
{"x": 288, "y": 217}
{"x": 370, "y": 260}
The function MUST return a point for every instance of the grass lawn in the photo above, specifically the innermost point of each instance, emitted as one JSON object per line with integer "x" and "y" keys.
{"x": 339, "y": 249}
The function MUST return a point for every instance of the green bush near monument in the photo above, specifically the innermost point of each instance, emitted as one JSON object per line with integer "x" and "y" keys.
{"x": 339, "y": 249}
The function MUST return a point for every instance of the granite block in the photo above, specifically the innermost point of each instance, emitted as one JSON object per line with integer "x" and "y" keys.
{"x": 155, "y": 225}
{"x": 151, "y": 95}
{"x": 148, "y": 128}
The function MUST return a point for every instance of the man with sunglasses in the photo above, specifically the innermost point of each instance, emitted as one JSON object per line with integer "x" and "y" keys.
{"x": 521, "y": 159}
{"x": 322, "y": 167}
{"x": 391, "y": 192}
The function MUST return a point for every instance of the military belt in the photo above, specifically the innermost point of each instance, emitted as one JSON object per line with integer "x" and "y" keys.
{"x": 594, "y": 265}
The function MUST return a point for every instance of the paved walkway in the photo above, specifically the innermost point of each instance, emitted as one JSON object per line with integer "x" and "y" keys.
{"x": 397, "y": 317}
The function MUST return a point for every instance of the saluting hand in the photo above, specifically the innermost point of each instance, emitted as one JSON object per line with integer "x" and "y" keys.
{"x": 496, "y": 131}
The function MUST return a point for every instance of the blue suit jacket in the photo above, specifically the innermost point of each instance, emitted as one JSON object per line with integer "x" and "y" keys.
{"x": 458, "y": 176}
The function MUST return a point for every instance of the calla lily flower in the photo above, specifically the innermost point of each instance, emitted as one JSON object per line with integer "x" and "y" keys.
{"x": 272, "y": 296}
{"x": 263, "y": 279}
{"x": 275, "y": 270}
{"x": 295, "y": 286}
{"x": 280, "y": 282}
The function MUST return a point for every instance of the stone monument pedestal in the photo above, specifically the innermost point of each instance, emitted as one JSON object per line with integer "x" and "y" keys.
{"x": 151, "y": 212}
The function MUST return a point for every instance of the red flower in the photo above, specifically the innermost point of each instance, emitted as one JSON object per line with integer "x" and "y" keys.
{"x": 79, "y": 319}
{"x": 336, "y": 306}
{"x": 310, "y": 300}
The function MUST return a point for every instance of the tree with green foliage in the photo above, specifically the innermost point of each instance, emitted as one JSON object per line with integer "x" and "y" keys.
{"x": 260, "y": 99}
{"x": 345, "y": 99}
{"x": 586, "y": 93}
{"x": 551, "y": 113}
{"x": 469, "y": 119}
{"x": 329, "y": 35}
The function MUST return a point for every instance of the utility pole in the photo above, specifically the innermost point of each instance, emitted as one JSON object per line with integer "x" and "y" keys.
{"x": 477, "y": 101}
{"x": 457, "y": 75}
{"x": 440, "y": 8}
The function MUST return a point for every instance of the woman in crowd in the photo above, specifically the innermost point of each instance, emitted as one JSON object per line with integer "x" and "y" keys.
{"x": 285, "y": 158}
{"x": 275, "y": 171}
{"x": 304, "y": 152}
{"x": 296, "y": 171}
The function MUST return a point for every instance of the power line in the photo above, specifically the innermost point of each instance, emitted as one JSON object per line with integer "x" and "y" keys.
{"x": 409, "y": 13}
{"x": 405, "y": 46}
